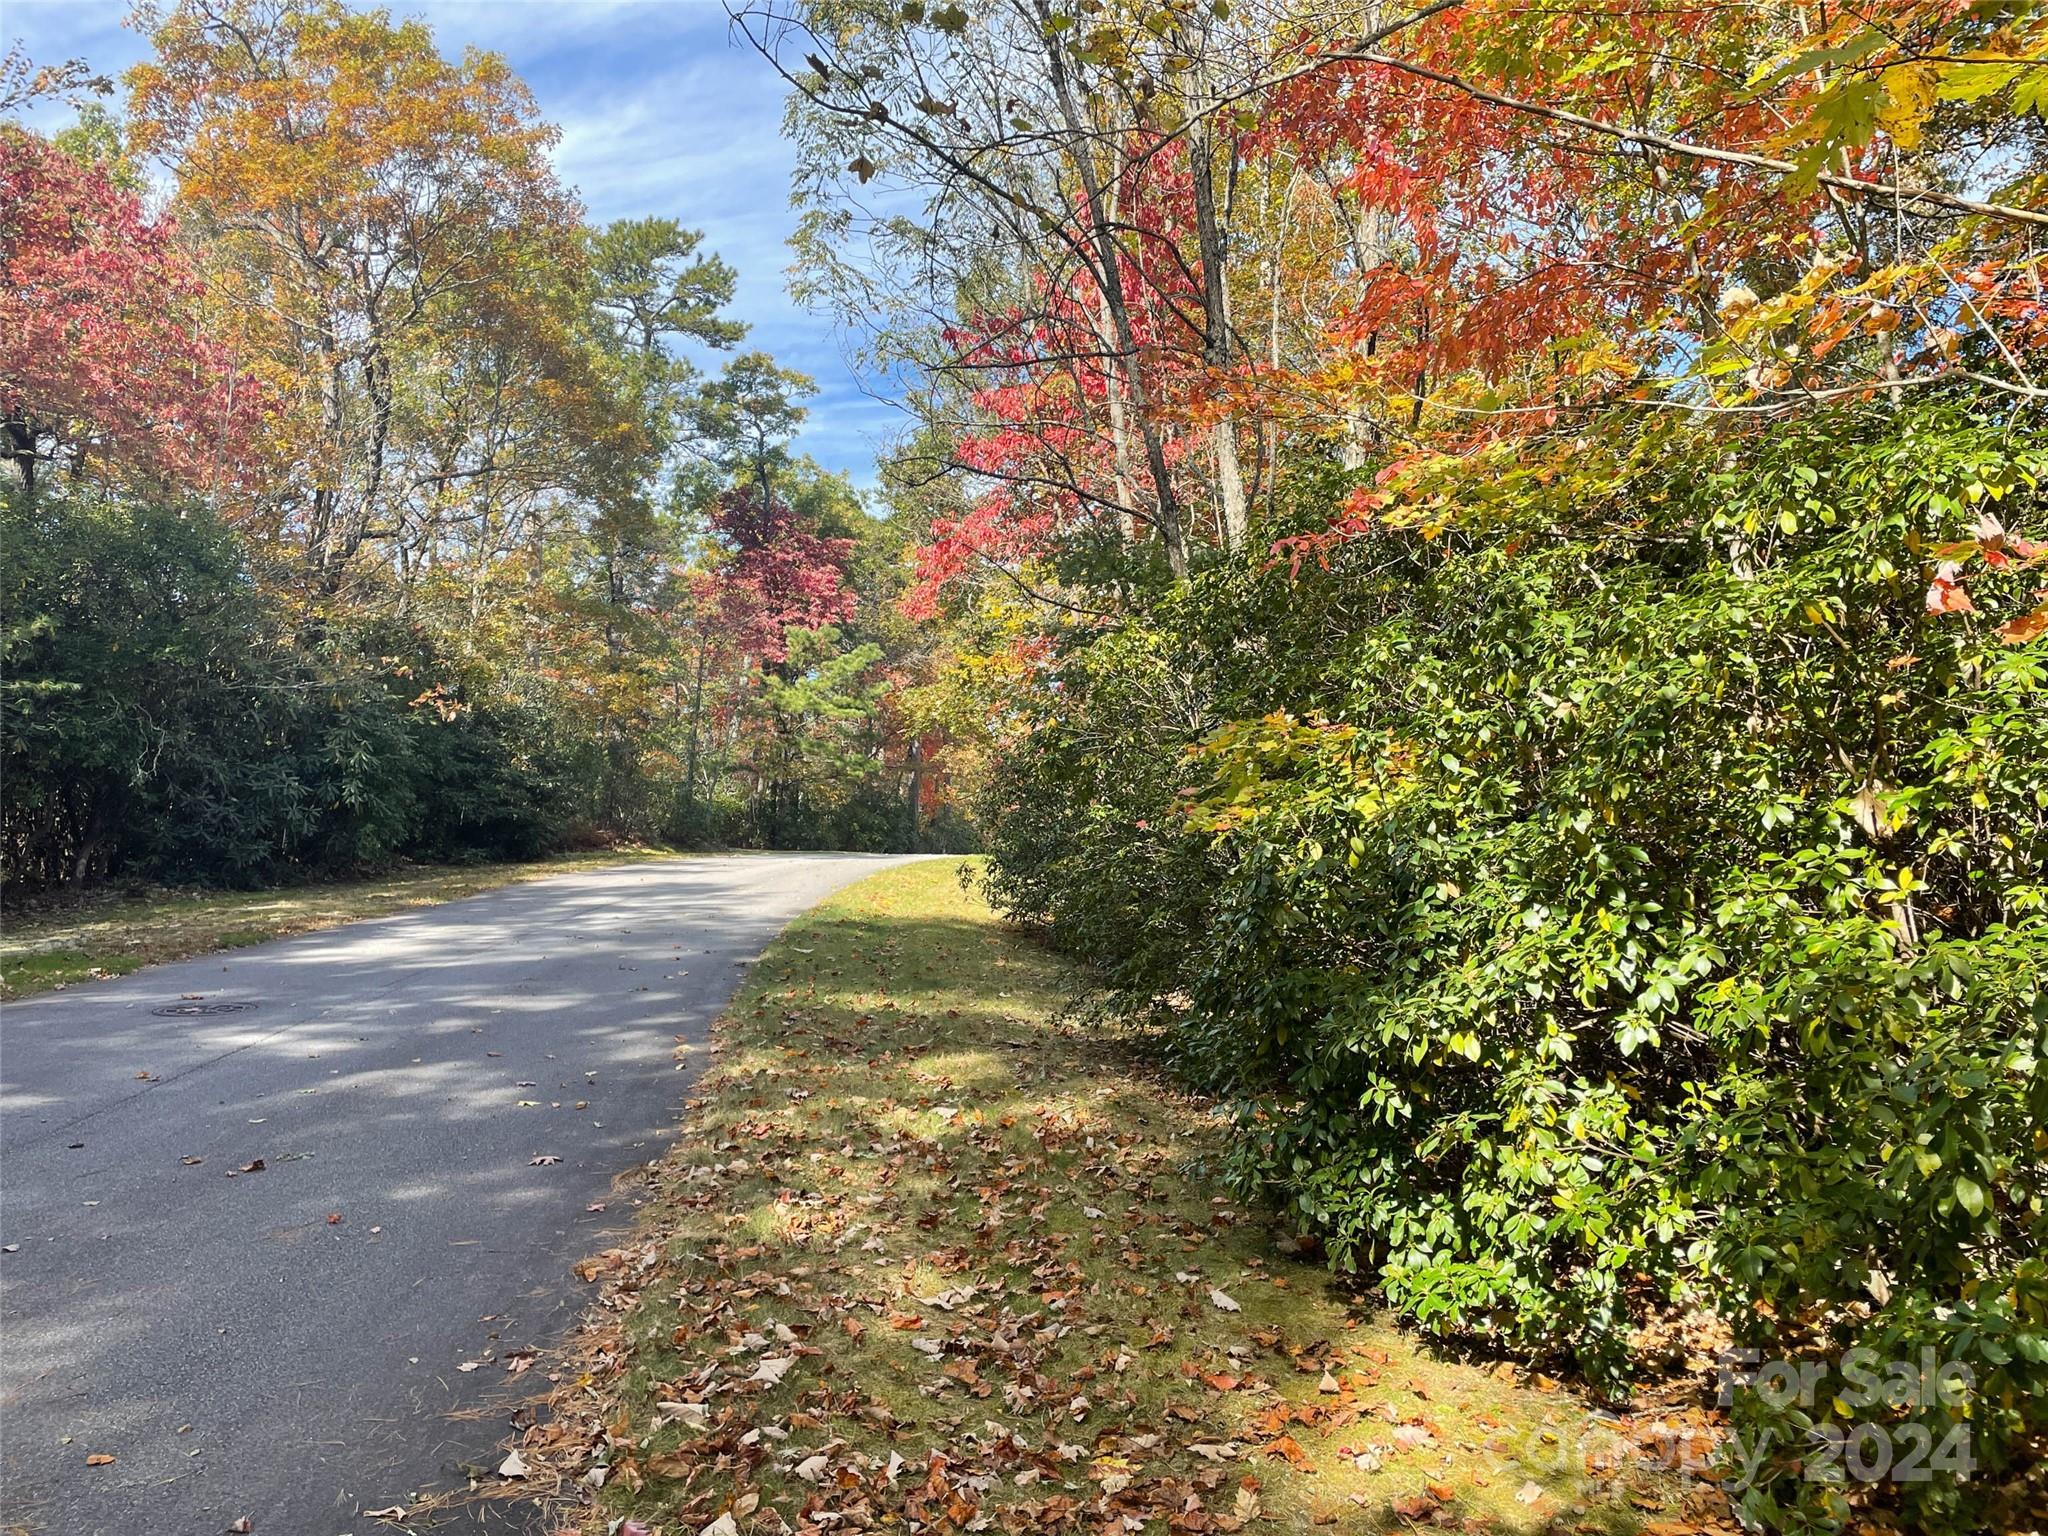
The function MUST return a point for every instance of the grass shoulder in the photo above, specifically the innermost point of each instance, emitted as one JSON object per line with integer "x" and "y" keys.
{"x": 65, "y": 940}
{"x": 928, "y": 1255}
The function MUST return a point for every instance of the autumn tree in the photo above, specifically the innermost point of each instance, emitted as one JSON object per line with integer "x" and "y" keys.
{"x": 352, "y": 187}
{"x": 650, "y": 294}
{"x": 1018, "y": 144}
{"x": 105, "y": 357}
{"x": 515, "y": 559}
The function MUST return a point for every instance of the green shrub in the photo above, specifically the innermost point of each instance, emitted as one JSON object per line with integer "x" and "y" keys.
{"x": 142, "y": 722}
{"x": 163, "y": 720}
{"x": 1628, "y": 892}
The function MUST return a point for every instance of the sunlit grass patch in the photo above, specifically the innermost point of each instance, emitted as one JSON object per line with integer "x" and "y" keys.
{"x": 934, "y": 1256}
{"x": 967, "y": 1072}
{"x": 21, "y": 974}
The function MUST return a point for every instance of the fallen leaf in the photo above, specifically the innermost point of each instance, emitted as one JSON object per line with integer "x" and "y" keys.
{"x": 513, "y": 1465}
{"x": 99, "y": 1459}
{"x": 1221, "y": 1302}
{"x": 1288, "y": 1449}
{"x": 1417, "y": 1506}
{"x": 772, "y": 1369}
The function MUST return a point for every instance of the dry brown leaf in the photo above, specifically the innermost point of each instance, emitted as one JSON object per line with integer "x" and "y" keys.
{"x": 1288, "y": 1449}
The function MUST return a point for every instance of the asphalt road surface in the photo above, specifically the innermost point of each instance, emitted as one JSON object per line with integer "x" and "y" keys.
{"x": 283, "y": 1345}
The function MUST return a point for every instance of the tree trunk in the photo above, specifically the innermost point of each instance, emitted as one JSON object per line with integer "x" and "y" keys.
{"x": 696, "y": 716}
{"x": 617, "y": 751}
{"x": 1109, "y": 277}
{"x": 20, "y": 441}
{"x": 1121, "y": 455}
{"x": 1269, "y": 437}
{"x": 90, "y": 841}
{"x": 327, "y": 493}
{"x": 916, "y": 757}
{"x": 1371, "y": 236}
{"x": 1213, "y": 243}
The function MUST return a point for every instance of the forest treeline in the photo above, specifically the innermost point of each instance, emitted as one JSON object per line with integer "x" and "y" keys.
{"x": 366, "y": 502}
{"x": 1482, "y": 564}
{"x": 1499, "y": 553}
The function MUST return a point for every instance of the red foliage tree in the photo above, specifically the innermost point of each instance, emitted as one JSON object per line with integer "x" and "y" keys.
{"x": 103, "y": 355}
{"x": 1050, "y": 456}
{"x": 781, "y": 574}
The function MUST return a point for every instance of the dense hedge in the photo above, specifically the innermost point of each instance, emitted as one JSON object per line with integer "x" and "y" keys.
{"x": 1629, "y": 891}
{"x": 164, "y": 719}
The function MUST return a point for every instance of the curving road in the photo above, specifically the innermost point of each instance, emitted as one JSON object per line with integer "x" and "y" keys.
{"x": 284, "y": 1345}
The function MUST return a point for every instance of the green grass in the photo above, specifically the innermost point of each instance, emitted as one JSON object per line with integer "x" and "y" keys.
{"x": 63, "y": 941}
{"x": 987, "y": 1244}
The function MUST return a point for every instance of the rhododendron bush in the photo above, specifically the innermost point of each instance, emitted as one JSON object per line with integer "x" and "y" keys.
{"x": 1642, "y": 905}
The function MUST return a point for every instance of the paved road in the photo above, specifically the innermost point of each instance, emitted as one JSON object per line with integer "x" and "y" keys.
{"x": 238, "y": 1350}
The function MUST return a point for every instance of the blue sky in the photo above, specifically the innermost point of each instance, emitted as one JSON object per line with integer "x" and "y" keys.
{"x": 662, "y": 112}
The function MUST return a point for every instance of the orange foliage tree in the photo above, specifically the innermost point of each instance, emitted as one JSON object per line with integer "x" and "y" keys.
{"x": 361, "y": 199}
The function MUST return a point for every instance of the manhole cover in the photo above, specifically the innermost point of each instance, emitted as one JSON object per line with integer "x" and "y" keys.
{"x": 200, "y": 1010}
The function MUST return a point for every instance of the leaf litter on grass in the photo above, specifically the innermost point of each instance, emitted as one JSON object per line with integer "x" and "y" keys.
{"x": 928, "y": 1257}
